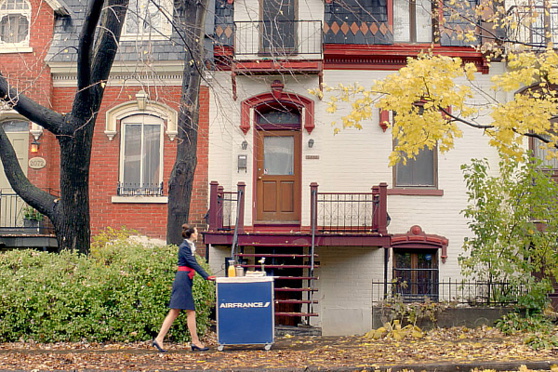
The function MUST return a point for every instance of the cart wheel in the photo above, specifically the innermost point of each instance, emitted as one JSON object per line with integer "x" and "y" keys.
{"x": 220, "y": 348}
{"x": 267, "y": 347}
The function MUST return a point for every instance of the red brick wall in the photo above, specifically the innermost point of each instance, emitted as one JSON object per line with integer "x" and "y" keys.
{"x": 148, "y": 219}
{"x": 28, "y": 73}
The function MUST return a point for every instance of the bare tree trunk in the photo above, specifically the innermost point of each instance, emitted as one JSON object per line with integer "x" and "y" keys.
{"x": 182, "y": 176}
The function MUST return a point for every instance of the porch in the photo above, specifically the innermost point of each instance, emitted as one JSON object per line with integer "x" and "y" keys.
{"x": 337, "y": 219}
{"x": 289, "y": 251}
{"x": 18, "y": 231}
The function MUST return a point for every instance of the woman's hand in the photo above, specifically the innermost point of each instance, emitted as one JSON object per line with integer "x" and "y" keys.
{"x": 211, "y": 277}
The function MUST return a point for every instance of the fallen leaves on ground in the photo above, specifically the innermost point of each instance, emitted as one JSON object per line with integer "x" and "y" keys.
{"x": 453, "y": 345}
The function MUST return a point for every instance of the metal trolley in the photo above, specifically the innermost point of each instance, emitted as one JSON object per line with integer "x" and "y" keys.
{"x": 245, "y": 311}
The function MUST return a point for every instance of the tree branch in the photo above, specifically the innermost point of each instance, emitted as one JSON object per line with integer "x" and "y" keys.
{"x": 86, "y": 40}
{"x": 471, "y": 124}
{"x": 34, "y": 196}
{"x": 47, "y": 118}
{"x": 106, "y": 45}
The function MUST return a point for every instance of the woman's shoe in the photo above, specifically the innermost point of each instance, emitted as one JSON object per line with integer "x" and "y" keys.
{"x": 156, "y": 344}
{"x": 197, "y": 348}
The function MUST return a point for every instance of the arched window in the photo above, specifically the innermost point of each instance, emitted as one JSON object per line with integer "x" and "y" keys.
{"x": 15, "y": 16}
{"x": 141, "y": 155}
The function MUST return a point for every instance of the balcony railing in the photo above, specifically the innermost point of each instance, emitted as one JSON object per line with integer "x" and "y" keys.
{"x": 278, "y": 39}
{"x": 139, "y": 189}
{"x": 330, "y": 212}
{"x": 12, "y": 213}
{"x": 350, "y": 212}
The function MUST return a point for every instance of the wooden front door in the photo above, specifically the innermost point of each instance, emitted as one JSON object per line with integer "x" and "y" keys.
{"x": 278, "y": 176}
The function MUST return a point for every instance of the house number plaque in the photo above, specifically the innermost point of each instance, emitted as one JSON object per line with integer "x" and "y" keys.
{"x": 37, "y": 163}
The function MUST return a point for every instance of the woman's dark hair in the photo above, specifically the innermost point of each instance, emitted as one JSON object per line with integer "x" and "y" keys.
{"x": 187, "y": 230}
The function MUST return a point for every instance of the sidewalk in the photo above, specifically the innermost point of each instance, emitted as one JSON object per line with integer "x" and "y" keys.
{"x": 293, "y": 354}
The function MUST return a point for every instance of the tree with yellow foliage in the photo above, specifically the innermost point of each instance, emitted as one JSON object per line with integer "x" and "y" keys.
{"x": 431, "y": 105}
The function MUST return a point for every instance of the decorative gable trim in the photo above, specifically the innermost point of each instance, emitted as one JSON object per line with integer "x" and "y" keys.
{"x": 247, "y": 108}
{"x": 59, "y": 7}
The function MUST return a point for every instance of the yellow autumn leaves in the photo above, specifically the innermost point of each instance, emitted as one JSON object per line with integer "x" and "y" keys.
{"x": 432, "y": 97}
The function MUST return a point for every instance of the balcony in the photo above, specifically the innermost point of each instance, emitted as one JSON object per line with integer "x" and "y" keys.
{"x": 278, "y": 40}
{"x": 336, "y": 219}
{"x": 16, "y": 231}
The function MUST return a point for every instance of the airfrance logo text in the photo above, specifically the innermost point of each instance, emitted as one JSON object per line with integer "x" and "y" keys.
{"x": 243, "y": 305}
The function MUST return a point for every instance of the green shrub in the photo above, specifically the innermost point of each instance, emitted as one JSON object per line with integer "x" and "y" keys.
{"x": 119, "y": 293}
{"x": 536, "y": 327}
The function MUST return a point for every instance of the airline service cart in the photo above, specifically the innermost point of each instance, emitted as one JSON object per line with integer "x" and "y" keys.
{"x": 245, "y": 311}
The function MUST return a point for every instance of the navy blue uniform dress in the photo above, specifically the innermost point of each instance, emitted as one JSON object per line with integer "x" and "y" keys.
{"x": 181, "y": 297}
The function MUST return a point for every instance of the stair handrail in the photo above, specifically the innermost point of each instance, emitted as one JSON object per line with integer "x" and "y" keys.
{"x": 313, "y": 223}
{"x": 239, "y": 223}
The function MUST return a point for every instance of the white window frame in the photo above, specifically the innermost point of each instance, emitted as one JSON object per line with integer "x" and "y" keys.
{"x": 115, "y": 116}
{"x": 153, "y": 32}
{"x": 416, "y": 16}
{"x": 141, "y": 119}
{"x": 25, "y": 10}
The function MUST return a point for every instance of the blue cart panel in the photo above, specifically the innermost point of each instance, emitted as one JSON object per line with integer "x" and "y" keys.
{"x": 245, "y": 311}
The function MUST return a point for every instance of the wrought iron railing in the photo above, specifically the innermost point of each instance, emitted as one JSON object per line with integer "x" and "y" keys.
{"x": 139, "y": 189}
{"x": 226, "y": 208}
{"x": 278, "y": 38}
{"x": 455, "y": 291}
{"x": 12, "y": 210}
{"x": 351, "y": 212}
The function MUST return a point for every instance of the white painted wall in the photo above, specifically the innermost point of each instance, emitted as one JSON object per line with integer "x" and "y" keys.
{"x": 351, "y": 161}
{"x": 345, "y": 288}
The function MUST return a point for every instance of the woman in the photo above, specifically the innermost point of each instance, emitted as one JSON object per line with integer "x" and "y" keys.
{"x": 181, "y": 297}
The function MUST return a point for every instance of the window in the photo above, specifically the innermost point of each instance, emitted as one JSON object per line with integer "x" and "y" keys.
{"x": 416, "y": 274}
{"x": 148, "y": 19}
{"x": 14, "y": 22}
{"x": 412, "y": 21}
{"x": 418, "y": 172}
{"x": 141, "y": 156}
{"x": 545, "y": 26}
{"x": 278, "y": 26}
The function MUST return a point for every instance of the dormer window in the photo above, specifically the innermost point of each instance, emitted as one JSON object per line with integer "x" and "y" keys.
{"x": 412, "y": 21}
{"x": 148, "y": 20}
{"x": 15, "y": 18}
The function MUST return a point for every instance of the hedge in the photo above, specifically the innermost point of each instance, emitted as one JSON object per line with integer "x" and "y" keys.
{"x": 118, "y": 293}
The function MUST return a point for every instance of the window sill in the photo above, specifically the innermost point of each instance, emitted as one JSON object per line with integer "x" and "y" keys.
{"x": 140, "y": 199}
{"x": 14, "y": 49}
{"x": 417, "y": 191}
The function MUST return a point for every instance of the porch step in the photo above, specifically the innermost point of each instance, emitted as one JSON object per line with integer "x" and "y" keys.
{"x": 296, "y": 301}
{"x": 280, "y": 266}
{"x": 297, "y": 277}
{"x": 296, "y": 314}
{"x": 287, "y": 289}
{"x": 271, "y": 255}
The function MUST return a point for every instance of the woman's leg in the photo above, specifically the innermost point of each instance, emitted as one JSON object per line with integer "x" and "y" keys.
{"x": 167, "y": 323}
{"x": 192, "y": 327}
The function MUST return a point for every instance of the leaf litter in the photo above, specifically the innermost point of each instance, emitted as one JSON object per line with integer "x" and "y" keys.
{"x": 448, "y": 345}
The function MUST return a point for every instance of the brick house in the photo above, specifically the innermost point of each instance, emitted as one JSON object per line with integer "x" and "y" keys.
{"x": 134, "y": 143}
{"x": 333, "y": 221}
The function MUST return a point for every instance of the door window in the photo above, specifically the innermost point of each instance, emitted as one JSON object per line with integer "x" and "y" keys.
{"x": 279, "y": 156}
